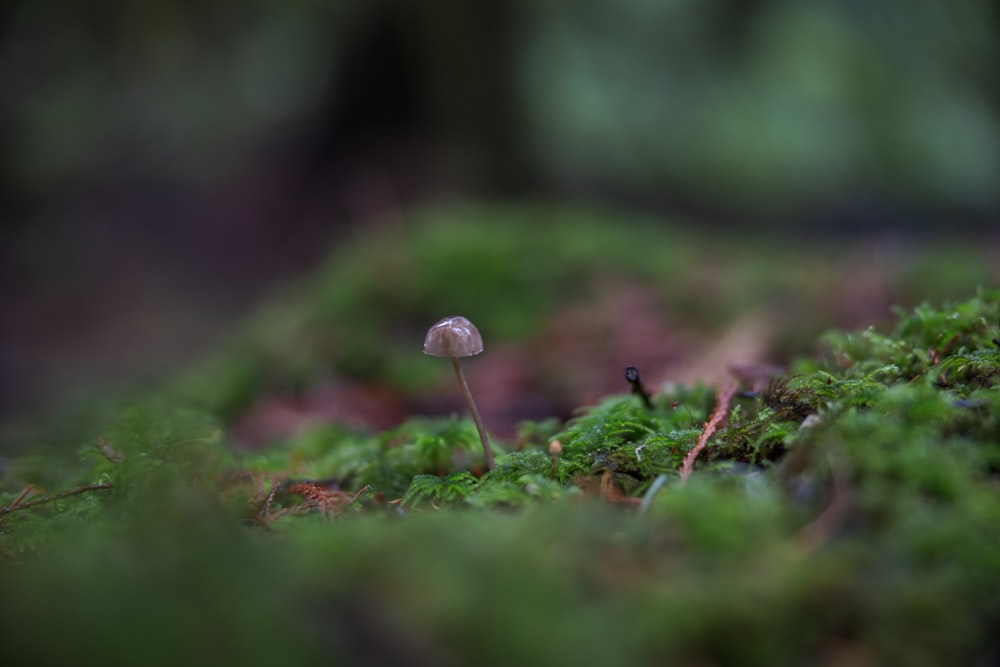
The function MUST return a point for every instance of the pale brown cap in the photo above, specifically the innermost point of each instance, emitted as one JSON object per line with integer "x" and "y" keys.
{"x": 453, "y": 337}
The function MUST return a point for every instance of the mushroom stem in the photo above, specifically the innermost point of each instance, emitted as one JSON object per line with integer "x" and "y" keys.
{"x": 475, "y": 413}
{"x": 632, "y": 376}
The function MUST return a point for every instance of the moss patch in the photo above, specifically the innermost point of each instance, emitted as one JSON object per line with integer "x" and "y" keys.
{"x": 846, "y": 511}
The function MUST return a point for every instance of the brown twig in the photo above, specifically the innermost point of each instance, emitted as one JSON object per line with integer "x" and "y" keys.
{"x": 718, "y": 417}
{"x": 18, "y": 505}
{"x": 316, "y": 497}
{"x": 17, "y": 501}
{"x": 936, "y": 354}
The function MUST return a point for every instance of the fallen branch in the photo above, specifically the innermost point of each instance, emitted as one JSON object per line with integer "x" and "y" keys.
{"x": 19, "y": 505}
{"x": 718, "y": 417}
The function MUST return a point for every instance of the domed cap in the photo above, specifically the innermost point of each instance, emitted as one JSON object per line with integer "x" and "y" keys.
{"x": 453, "y": 337}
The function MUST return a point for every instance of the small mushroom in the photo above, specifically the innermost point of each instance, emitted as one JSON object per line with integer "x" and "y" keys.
{"x": 555, "y": 449}
{"x": 632, "y": 377}
{"x": 458, "y": 337}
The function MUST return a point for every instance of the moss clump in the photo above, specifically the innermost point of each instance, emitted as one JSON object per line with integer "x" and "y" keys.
{"x": 848, "y": 512}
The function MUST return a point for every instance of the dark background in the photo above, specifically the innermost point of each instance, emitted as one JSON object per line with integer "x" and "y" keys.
{"x": 165, "y": 163}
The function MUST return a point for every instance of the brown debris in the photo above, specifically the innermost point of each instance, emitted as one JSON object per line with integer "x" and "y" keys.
{"x": 305, "y": 497}
{"x": 606, "y": 489}
{"x": 718, "y": 418}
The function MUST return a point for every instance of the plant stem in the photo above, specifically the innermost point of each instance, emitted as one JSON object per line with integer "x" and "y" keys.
{"x": 475, "y": 413}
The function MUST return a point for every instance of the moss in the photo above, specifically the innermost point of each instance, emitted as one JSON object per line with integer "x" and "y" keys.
{"x": 849, "y": 511}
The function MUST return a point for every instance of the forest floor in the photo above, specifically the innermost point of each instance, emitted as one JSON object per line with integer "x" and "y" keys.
{"x": 806, "y": 473}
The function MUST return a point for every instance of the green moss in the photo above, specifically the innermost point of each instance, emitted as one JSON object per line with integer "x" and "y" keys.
{"x": 849, "y": 511}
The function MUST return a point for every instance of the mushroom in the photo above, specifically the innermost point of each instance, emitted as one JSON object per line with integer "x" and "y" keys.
{"x": 632, "y": 376}
{"x": 458, "y": 337}
{"x": 555, "y": 449}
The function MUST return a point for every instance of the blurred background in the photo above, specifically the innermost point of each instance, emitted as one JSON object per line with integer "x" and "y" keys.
{"x": 166, "y": 164}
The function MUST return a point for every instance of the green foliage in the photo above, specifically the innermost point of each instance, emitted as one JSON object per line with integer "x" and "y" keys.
{"x": 975, "y": 369}
{"x": 525, "y": 491}
{"x": 960, "y": 338}
{"x": 387, "y": 461}
{"x": 619, "y": 434}
{"x": 150, "y": 456}
{"x": 449, "y": 489}
{"x": 518, "y": 480}
{"x": 420, "y": 446}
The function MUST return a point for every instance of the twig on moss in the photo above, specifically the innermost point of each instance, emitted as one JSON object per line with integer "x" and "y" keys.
{"x": 18, "y": 505}
{"x": 936, "y": 354}
{"x": 17, "y": 501}
{"x": 718, "y": 417}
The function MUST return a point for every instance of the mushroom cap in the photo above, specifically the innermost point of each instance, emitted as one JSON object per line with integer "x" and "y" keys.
{"x": 453, "y": 336}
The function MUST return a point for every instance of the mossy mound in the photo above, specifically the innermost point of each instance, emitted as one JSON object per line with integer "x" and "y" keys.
{"x": 846, "y": 511}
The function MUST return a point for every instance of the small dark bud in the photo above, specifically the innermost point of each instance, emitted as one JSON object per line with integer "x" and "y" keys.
{"x": 632, "y": 376}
